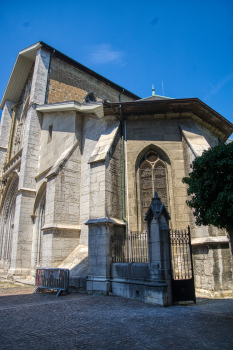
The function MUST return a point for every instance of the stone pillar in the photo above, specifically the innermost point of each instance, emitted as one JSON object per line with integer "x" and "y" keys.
{"x": 5, "y": 130}
{"x": 105, "y": 209}
{"x": 159, "y": 258}
{"x": 23, "y": 225}
{"x": 99, "y": 256}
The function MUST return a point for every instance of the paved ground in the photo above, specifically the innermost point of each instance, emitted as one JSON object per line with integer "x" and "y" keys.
{"x": 78, "y": 321}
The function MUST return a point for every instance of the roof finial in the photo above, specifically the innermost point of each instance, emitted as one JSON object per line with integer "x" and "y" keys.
{"x": 153, "y": 90}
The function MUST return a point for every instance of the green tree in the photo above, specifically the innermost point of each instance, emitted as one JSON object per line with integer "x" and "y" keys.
{"x": 211, "y": 187}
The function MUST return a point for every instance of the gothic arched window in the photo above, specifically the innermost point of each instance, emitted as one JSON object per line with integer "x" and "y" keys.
{"x": 152, "y": 174}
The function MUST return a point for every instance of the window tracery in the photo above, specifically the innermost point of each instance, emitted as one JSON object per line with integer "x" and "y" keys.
{"x": 19, "y": 135}
{"x": 152, "y": 174}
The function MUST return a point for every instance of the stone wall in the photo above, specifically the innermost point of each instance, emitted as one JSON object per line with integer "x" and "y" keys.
{"x": 114, "y": 179}
{"x": 212, "y": 262}
{"x": 92, "y": 193}
{"x": 23, "y": 225}
{"x": 189, "y": 157}
{"x": 63, "y": 134}
{"x": 67, "y": 191}
{"x": 163, "y": 136}
{"x": 57, "y": 245}
{"x": 213, "y": 269}
{"x": 5, "y": 130}
{"x": 69, "y": 83}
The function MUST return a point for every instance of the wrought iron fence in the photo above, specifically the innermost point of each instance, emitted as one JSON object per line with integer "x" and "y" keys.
{"x": 181, "y": 254}
{"x": 132, "y": 248}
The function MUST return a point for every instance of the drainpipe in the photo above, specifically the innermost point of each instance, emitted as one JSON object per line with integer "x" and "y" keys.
{"x": 123, "y": 165}
{"x": 123, "y": 159}
{"x": 127, "y": 191}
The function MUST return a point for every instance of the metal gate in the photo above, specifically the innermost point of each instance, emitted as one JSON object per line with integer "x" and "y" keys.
{"x": 182, "y": 266}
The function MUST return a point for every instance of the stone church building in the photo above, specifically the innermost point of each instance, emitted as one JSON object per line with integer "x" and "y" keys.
{"x": 80, "y": 159}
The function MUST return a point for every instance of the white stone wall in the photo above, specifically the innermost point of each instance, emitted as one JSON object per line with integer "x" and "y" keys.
{"x": 5, "y": 130}
{"x": 57, "y": 245}
{"x": 63, "y": 135}
{"x": 67, "y": 191}
{"x": 92, "y": 130}
{"x": 114, "y": 175}
{"x": 23, "y": 225}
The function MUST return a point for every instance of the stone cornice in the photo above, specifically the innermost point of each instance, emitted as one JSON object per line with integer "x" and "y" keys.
{"x": 60, "y": 226}
{"x": 105, "y": 221}
{"x": 95, "y": 107}
{"x": 24, "y": 189}
{"x": 210, "y": 240}
{"x": 174, "y": 108}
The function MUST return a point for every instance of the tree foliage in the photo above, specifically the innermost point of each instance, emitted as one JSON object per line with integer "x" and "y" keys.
{"x": 211, "y": 187}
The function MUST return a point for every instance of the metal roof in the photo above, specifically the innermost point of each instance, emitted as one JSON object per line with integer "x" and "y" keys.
{"x": 155, "y": 98}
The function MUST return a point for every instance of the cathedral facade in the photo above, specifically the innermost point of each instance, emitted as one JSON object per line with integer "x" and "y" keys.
{"x": 80, "y": 159}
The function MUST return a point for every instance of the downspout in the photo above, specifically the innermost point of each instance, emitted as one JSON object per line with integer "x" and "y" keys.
{"x": 123, "y": 161}
{"x": 124, "y": 171}
{"x": 123, "y": 166}
{"x": 127, "y": 192}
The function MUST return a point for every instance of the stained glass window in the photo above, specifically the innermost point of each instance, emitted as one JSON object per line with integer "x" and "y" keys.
{"x": 152, "y": 173}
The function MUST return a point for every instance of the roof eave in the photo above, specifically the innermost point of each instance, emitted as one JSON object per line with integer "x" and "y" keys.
{"x": 19, "y": 73}
{"x": 194, "y": 105}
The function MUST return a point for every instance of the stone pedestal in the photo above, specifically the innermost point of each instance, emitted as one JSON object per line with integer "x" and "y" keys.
{"x": 158, "y": 234}
{"x": 99, "y": 256}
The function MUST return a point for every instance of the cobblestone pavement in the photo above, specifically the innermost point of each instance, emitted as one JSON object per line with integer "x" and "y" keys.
{"x": 78, "y": 321}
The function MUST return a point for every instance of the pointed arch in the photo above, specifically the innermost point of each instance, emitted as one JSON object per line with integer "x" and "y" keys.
{"x": 13, "y": 174}
{"x": 7, "y": 219}
{"x": 152, "y": 147}
{"x": 39, "y": 216}
{"x": 38, "y": 197}
{"x": 151, "y": 170}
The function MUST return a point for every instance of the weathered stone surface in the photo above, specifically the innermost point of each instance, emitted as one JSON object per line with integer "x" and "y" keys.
{"x": 68, "y": 83}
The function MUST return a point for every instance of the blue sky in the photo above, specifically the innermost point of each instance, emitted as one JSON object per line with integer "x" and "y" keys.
{"x": 187, "y": 45}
